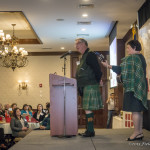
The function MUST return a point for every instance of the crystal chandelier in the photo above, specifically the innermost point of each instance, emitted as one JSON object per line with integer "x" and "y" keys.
{"x": 12, "y": 57}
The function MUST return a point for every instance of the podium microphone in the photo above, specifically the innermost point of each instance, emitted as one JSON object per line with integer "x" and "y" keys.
{"x": 67, "y": 53}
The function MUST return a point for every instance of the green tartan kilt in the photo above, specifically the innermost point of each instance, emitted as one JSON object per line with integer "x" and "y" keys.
{"x": 91, "y": 98}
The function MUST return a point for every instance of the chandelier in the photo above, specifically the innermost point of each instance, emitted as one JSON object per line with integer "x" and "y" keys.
{"x": 12, "y": 57}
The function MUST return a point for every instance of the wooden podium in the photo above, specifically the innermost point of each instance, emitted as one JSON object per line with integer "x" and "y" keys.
{"x": 63, "y": 101}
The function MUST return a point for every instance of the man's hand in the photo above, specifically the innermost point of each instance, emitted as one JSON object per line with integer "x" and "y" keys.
{"x": 101, "y": 83}
{"x": 24, "y": 128}
{"x": 105, "y": 63}
{"x": 42, "y": 127}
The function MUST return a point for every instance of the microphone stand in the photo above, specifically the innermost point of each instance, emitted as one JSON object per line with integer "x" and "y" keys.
{"x": 64, "y": 69}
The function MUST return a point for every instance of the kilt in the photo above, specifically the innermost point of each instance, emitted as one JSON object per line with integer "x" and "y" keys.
{"x": 91, "y": 98}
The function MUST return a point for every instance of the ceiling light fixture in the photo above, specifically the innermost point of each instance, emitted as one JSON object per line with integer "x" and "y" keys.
{"x": 60, "y": 19}
{"x": 62, "y": 48}
{"x": 82, "y": 35}
{"x": 12, "y": 57}
{"x": 85, "y": 15}
{"x": 84, "y": 23}
{"x": 83, "y": 29}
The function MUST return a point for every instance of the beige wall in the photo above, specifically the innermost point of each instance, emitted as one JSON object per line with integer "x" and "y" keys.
{"x": 36, "y": 72}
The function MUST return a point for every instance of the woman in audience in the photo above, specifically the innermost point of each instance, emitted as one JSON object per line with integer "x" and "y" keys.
{"x": 2, "y": 112}
{"x": 45, "y": 125}
{"x": 39, "y": 115}
{"x": 46, "y": 110}
{"x": 19, "y": 126}
{"x": 30, "y": 108}
{"x": 13, "y": 106}
{"x": 25, "y": 111}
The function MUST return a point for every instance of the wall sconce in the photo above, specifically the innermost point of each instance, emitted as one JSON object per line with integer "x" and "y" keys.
{"x": 23, "y": 84}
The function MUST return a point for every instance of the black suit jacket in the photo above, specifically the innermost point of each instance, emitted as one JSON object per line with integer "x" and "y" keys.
{"x": 40, "y": 118}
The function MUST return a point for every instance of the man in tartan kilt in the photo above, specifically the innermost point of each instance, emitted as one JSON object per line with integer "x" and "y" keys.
{"x": 88, "y": 77}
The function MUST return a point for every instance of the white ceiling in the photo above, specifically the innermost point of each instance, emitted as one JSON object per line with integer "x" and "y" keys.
{"x": 42, "y": 15}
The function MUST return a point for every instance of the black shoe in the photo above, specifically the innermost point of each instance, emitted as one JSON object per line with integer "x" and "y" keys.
{"x": 88, "y": 134}
{"x": 136, "y": 138}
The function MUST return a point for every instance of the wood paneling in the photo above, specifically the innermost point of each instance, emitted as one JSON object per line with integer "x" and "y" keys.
{"x": 100, "y": 116}
{"x": 29, "y": 41}
{"x": 50, "y": 53}
{"x": 120, "y": 50}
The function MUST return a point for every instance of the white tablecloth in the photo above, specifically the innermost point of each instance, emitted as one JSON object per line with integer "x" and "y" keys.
{"x": 117, "y": 122}
{"x": 7, "y": 129}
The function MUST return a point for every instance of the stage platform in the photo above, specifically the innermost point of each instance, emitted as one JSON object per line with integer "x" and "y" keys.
{"x": 105, "y": 139}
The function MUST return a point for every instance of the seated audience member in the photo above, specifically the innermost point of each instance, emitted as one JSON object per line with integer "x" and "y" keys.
{"x": 2, "y": 140}
{"x": 25, "y": 111}
{"x": 45, "y": 124}
{"x": 19, "y": 125}
{"x": 46, "y": 110}
{"x": 2, "y": 112}
{"x": 39, "y": 115}
{"x": 7, "y": 110}
{"x": 30, "y": 108}
{"x": 13, "y": 106}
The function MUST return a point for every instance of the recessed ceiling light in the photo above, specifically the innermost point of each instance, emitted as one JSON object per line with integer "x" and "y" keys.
{"x": 82, "y": 35}
{"x": 63, "y": 38}
{"x": 86, "y": 0}
{"x": 85, "y": 15}
{"x": 62, "y": 48}
{"x": 83, "y": 29}
{"x": 60, "y": 19}
{"x": 46, "y": 48}
{"x": 86, "y": 6}
{"x": 84, "y": 23}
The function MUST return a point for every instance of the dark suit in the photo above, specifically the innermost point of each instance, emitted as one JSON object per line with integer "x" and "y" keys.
{"x": 40, "y": 118}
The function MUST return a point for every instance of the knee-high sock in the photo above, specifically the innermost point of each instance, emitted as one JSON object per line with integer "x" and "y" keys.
{"x": 90, "y": 122}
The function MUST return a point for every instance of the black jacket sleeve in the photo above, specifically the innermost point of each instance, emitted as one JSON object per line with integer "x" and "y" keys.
{"x": 116, "y": 69}
{"x": 35, "y": 115}
{"x": 92, "y": 61}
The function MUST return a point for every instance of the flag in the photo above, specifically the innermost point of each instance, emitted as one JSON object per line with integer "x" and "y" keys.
{"x": 134, "y": 32}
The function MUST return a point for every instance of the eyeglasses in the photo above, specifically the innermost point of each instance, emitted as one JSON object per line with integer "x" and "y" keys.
{"x": 78, "y": 43}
